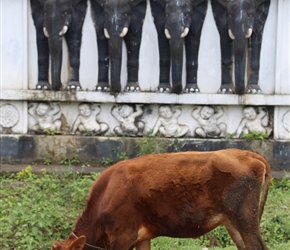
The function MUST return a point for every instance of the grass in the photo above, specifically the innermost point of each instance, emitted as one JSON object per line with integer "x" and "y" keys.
{"x": 36, "y": 210}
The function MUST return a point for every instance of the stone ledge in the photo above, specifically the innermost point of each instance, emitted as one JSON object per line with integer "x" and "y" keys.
{"x": 32, "y": 149}
{"x": 145, "y": 97}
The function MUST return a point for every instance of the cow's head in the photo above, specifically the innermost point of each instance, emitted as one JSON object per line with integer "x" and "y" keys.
{"x": 71, "y": 243}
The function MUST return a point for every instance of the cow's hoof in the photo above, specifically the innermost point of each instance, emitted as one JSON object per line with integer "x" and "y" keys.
{"x": 42, "y": 85}
{"x": 191, "y": 88}
{"x": 254, "y": 89}
{"x": 74, "y": 86}
{"x": 226, "y": 89}
{"x": 132, "y": 87}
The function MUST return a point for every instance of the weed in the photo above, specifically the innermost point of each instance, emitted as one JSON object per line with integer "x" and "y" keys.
{"x": 255, "y": 136}
{"x": 47, "y": 159}
{"x": 106, "y": 161}
{"x": 120, "y": 155}
{"x": 25, "y": 174}
{"x": 151, "y": 145}
{"x": 50, "y": 132}
{"x": 69, "y": 162}
{"x": 35, "y": 213}
{"x": 177, "y": 145}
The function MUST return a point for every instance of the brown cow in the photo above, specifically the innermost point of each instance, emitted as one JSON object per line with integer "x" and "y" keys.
{"x": 181, "y": 195}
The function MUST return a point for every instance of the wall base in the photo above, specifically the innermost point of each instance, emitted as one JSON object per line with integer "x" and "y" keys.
{"x": 35, "y": 149}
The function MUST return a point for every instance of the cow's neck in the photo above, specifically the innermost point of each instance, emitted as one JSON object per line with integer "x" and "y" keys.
{"x": 88, "y": 226}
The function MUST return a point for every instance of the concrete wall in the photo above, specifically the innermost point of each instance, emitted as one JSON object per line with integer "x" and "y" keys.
{"x": 18, "y": 75}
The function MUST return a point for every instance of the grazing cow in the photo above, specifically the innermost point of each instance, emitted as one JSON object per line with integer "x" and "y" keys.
{"x": 181, "y": 195}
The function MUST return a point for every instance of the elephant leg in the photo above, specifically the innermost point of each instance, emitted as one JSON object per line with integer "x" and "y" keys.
{"x": 191, "y": 48}
{"x": 255, "y": 50}
{"x": 163, "y": 45}
{"x": 255, "y": 46}
{"x": 74, "y": 44}
{"x": 192, "y": 43}
{"x": 220, "y": 16}
{"x": 103, "y": 53}
{"x": 133, "y": 42}
{"x": 42, "y": 46}
{"x": 74, "y": 40}
{"x": 103, "y": 48}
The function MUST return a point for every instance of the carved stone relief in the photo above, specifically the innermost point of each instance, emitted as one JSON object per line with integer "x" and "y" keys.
{"x": 128, "y": 116}
{"x": 87, "y": 121}
{"x": 47, "y": 116}
{"x": 167, "y": 123}
{"x": 255, "y": 119}
{"x": 208, "y": 119}
{"x": 286, "y": 121}
{"x": 9, "y": 117}
{"x": 171, "y": 121}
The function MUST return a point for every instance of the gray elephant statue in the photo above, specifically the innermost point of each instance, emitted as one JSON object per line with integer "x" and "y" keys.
{"x": 53, "y": 20}
{"x": 118, "y": 21}
{"x": 240, "y": 24}
{"x": 179, "y": 24}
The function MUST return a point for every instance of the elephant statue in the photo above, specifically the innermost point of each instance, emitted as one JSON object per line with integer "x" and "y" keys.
{"x": 240, "y": 24}
{"x": 115, "y": 22}
{"x": 178, "y": 24}
{"x": 53, "y": 20}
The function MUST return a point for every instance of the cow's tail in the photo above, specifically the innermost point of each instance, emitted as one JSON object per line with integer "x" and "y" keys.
{"x": 265, "y": 187}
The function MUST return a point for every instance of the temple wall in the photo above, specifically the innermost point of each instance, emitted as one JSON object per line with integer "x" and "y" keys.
{"x": 18, "y": 77}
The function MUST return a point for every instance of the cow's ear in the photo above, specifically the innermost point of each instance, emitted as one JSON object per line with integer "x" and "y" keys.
{"x": 78, "y": 244}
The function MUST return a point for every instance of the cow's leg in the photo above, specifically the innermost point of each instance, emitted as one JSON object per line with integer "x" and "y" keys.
{"x": 235, "y": 235}
{"x": 143, "y": 245}
{"x": 123, "y": 244}
{"x": 243, "y": 211}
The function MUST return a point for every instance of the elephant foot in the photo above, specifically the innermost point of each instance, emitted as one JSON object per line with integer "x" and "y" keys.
{"x": 253, "y": 89}
{"x": 191, "y": 88}
{"x": 163, "y": 88}
{"x": 226, "y": 89}
{"x": 103, "y": 87}
{"x": 42, "y": 85}
{"x": 132, "y": 87}
{"x": 74, "y": 86}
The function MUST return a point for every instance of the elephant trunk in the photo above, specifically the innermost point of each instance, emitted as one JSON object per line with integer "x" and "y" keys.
{"x": 55, "y": 47}
{"x": 176, "y": 49}
{"x": 115, "y": 52}
{"x": 240, "y": 49}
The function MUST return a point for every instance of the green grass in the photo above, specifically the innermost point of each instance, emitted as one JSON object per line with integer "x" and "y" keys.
{"x": 36, "y": 210}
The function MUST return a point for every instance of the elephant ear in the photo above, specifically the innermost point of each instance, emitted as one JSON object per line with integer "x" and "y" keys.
{"x": 79, "y": 9}
{"x": 138, "y": 14}
{"x": 42, "y": 2}
{"x": 262, "y": 10}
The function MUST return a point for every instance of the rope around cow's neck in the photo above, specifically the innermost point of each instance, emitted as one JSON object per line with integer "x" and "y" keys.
{"x": 89, "y": 245}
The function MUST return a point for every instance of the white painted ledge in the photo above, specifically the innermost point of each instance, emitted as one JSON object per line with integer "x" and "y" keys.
{"x": 145, "y": 97}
